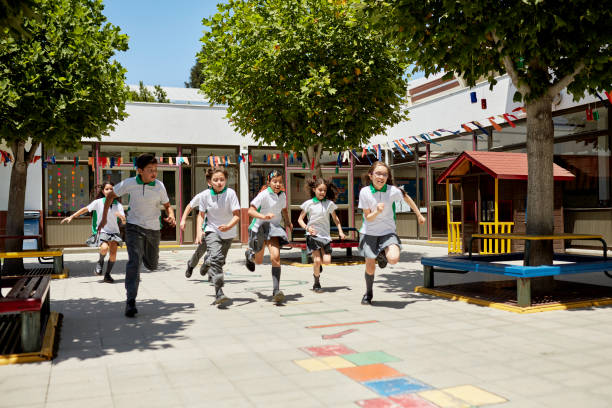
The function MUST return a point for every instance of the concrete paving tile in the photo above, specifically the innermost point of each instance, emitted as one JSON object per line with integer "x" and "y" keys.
{"x": 370, "y": 357}
{"x": 572, "y": 399}
{"x": 398, "y": 401}
{"x": 97, "y": 402}
{"x": 21, "y": 396}
{"x": 68, "y": 391}
{"x": 313, "y": 364}
{"x": 140, "y": 384}
{"x": 336, "y": 395}
{"x": 396, "y": 386}
{"x": 529, "y": 386}
{"x": 370, "y": 372}
{"x": 268, "y": 385}
{"x": 473, "y": 395}
{"x": 151, "y": 399}
{"x": 294, "y": 399}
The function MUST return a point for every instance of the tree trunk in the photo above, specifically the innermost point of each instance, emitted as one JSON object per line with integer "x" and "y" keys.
{"x": 16, "y": 203}
{"x": 315, "y": 152}
{"x": 540, "y": 185}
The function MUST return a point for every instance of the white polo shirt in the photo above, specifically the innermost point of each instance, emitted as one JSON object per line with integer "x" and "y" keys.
{"x": 145, "y": 200}
{"x": 384, "y": 223}
{"x": 195, "y": 201}
{"x": 219, "y": 208}
{"x": 318, "y": 215}
{"x": 96, "y": 207}
{"x": 267, "y": 202}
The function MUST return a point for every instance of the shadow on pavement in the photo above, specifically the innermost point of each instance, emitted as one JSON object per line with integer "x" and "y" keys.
{"x": 288, "y": 298}
{"x": 79, "y": 269}
{"x": 94, "y": 327}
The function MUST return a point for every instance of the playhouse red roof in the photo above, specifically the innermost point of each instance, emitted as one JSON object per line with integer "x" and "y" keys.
{"x": 500, "y": 165}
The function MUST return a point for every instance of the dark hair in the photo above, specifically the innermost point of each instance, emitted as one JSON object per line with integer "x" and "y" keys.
{"x": 98, "y": 191}
{"x": 144, "y": 160}
{"x": 271, "y": 175}
{"x": 331, "y": 192}
{"x": 212, "y": 170}
{"x": 389, "y": 178}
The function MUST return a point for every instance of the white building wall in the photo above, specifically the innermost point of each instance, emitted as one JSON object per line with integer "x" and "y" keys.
{"x": 33, "y": 199}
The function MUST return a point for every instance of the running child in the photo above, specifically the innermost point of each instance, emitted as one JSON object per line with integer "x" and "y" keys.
{"x": 142, "y": 232}
{"x": 222, "y": 209}
{"x": 266, "y": 210}
{"x": 318, "y": 237}
{"x": 107, "y": 237}
{"x": 378, "y": 240}
{"x": 201, "y": 249}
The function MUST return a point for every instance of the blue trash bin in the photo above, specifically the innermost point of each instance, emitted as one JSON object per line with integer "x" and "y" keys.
{"x": 31, "y": 226}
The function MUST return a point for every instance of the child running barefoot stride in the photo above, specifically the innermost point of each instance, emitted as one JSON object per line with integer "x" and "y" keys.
{"x": 142, "y": 232}
{"x": 265, "y": 230}
{"x": 318, "y": 237}
{"x": 378, "y": 240}
{"x": 106, "y": 237}
{"x": 201, "y": 249}
{"x": 222, "y": 209}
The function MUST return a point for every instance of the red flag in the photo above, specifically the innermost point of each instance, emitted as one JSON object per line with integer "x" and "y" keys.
{"x": 250, "y": 158}
{"x": 494, "y": 124}
{"x": 363, "y": 153}
{"x": 312, "y": 164}
{"x": 467, "y": 128}
{"x": 520, "y": 108}
{"x": 506, "y": 116}
{"x": 609, "y": 96}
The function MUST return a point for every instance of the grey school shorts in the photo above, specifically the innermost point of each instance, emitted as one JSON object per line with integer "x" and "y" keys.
{"x": 371, "y": 245}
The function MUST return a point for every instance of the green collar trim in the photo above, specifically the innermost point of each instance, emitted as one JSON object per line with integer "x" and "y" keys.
{"x": 214, "y": 193}
{"x": 374, "y": 190}
{"x": 139, "y": 181}
{"x": 316, "y": 200}
{"x": 272, "y": 191}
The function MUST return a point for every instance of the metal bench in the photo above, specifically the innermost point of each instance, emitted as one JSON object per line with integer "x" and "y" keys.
{"x": 29, "y": 300}
{"x": 56, "y": 271}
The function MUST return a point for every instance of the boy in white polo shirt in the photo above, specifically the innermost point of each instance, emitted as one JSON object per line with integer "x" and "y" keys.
{"x": 378, "y": 240}
{"x": 142, "y": 234}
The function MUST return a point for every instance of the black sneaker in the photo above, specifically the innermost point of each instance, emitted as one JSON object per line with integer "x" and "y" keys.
{"x": 108, "y": 279}
{"x": 320, "y": 269}
{"x": 367, "y": 299}
{"x": 130, "y": 309}
{"x": 317, "y": 288}
{"x": 382, "y": 260}
{"x": 278, "y": 297}
{"x": 249, "y": 262}
{"x": 188, "y": 272}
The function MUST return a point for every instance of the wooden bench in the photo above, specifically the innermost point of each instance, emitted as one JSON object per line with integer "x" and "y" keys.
{"x": 29, "y": 299}
{"x": 335, "y": 243}
{"x": 57, "y": 271}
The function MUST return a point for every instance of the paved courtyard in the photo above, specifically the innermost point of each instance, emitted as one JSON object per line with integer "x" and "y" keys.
{"x": 318, "y": 350}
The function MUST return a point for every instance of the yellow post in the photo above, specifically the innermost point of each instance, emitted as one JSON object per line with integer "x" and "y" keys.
{"x": 448, "y": 217}
{"x": 496, "y": 213}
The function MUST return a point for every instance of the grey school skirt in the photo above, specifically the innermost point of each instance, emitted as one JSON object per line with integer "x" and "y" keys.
{"x": 96, "y": 239}
{"x": 314, "y": 243}
{"x": 371, "y": 245}
{"x": 265, "y": 232}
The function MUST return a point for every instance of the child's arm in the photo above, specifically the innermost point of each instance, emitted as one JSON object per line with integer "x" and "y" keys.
{"x": 170, "y": 219}
{"x": 414, "y": 207}
{"x": 255, "y": 214}
{"x": 288, "y": 223}
{"x": 76, "y": 214}
{"x": 338, "y": 224}
{"x": 184, "y": 217}
{"x": 199, "y": 223}
{"x": 371, "y": 215}
{"x": 233, "y": 221}
{"x": 302, "y": 224}
{"x": 122, "y": 218}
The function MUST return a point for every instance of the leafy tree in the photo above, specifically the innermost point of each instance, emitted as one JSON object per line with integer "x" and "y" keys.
{"x": 12, "y": 13}
{"x": 194, "y": 76}
{"x": 304, "y": 75}
{"x": 544, "y": 46}
{"x": 144, "y": 95}
{"x": 58, "y": 86}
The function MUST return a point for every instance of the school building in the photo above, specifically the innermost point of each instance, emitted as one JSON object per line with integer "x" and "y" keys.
{"x": 446, "y": 118}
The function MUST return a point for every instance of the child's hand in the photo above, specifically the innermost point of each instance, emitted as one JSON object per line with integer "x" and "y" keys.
{"x": 170, "y": 220}
{"x": 199, "y": 237}
{"x": 268, "y": 216}
{"x": 311, "y": 231}
{"x": 67, "y": 219}
{"x": 380, "y": 207}
{"x": 182, "y": 226}
{"x": 421, "y": 219}
{"x": 290, "y": 226}
{"x": 223, "y": 228}
{"x": 342, "y": 236}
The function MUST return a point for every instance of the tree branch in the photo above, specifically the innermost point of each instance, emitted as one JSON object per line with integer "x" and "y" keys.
{"x": 565, "y": 81}
{"x": 508, "y": 64}
{"x": 30, "y": 153}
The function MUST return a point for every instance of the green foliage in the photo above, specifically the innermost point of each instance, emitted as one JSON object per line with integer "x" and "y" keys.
{"x": 59, "y": 85}
{"x": 144, "y": 95}
{"x": 540, "y": 43}
{"x": 302, "y": 73}
{"x": 12, "y": 13}
{"x": 194, "y": 76}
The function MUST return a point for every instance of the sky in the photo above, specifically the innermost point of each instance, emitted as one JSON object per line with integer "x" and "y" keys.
{"x": 164, "y": 37}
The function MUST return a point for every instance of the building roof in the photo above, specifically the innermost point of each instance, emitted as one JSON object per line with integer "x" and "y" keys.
{"x": 499, "y": 165}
